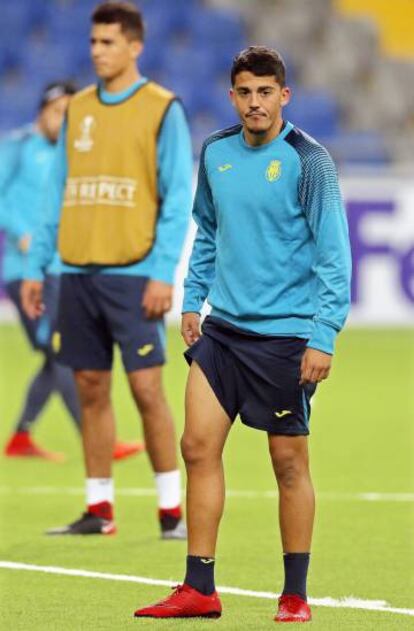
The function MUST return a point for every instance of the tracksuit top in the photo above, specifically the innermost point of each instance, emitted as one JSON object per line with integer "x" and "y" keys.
{"x": 26, "y": 157}
{"x": 271, "y": 253}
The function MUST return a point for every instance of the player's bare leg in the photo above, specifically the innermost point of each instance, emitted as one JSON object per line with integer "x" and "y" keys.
{"x": 159, "y": 432}
{"x": 98, "y": 421}
{"x": 290, "y": 461}
{"x": 206, "y": 429}
{"x": 205, "y": 433}
{"x": 98, "y": 435}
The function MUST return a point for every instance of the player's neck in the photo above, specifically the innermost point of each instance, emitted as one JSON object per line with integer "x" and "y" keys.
{"x": 122, "y": 81}
{"x": 256, "y": 140}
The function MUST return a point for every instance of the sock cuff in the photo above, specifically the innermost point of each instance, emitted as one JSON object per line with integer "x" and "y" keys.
{"x": 172, "y": 512}
{"x": 192, "y": 557}
{"x": 102, "y": 509}
{"x": 99, "y": 490}
{"x": 168, "y": 486}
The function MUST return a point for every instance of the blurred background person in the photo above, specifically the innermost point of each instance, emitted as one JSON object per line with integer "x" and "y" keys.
{"x": 25, "y": 158}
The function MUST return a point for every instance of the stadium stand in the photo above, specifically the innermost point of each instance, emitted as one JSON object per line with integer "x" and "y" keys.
{"x": 345, "y": 85}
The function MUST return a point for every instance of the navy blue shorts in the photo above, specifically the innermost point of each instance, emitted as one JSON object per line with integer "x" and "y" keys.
{"x": 39, "y": 332}
{"x": 256, "y": 376}
{"x": 97, "y": 311}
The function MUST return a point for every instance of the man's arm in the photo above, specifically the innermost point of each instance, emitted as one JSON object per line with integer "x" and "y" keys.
{"x": 325, "y": 213}
{"x": 44, "y": 242}
{"x": 201, "y": 269}
{"x": 175, "y": 169}
{"x": 10, "y": 218}
{"x": 43, "y": 247}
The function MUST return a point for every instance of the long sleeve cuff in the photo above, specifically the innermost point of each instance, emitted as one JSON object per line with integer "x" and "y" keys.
{"x": 164, "y": 270}
{"x": 33, "y": 272}
{"x": 323, "y": 337}
{"x": 192, "y": 303}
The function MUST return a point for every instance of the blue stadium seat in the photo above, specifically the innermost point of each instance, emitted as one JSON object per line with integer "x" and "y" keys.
{"x": 67, "y": 24}
{"x": 314, "y": 111}
{"x": 359, "y": 147}
{"x": 222, "y": 30}
{"x": 173, "y": 16}
{"x": 18, "y": 104}
{"x": 192, "y": 63}
{"x": 151, "y": 61}
{"x": 49, "y": 61}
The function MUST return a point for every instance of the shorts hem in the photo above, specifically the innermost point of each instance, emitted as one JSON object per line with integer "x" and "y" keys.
{"x": 76, "y": 366}
{"x": 190, "y": 359}
{"x": 154, "y": 364}
{"x": 273, "y": 431}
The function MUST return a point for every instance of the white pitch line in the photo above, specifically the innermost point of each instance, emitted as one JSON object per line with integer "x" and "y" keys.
{"x": 244, "y": 494}
{"x": 346, "y": 603}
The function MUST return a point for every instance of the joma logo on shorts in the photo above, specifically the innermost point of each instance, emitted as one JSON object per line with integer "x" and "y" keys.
{"x": 283, "y": 413}
{"x": 145, "y": 350}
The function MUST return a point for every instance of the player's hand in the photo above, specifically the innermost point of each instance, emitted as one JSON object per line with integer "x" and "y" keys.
{"x": 157, "y": 299}
{"x": 24, "y": 243}
{"x": 315, "y": 366}
{"x": 31, "y": 295}
{"x": 190, "y": 327}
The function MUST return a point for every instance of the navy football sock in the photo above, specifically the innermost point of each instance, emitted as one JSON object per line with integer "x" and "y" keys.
{"x": 37, "y": 396}
{"x": 200, "y": 574}
{"x": 296, "y": 571}
{"x": 64, "y": 383}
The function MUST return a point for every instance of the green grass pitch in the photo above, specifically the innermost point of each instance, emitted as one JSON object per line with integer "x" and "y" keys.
{"x": 362, "y": 442}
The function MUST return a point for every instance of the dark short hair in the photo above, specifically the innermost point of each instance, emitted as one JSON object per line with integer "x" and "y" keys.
{"x": 260, "y": 61}
{"x": 126, "y": 14}
{"x": 55, "y": 90}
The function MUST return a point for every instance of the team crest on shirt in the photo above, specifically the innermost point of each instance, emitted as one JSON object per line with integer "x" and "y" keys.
{"x": 85, "y": 142}
{"x": 274, "y": 171}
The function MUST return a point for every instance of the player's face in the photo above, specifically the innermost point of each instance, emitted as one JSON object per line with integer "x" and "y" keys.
{"x": 259, "y": 102}
{"x": 51, "y": 117}
{"x": 111, "y": 51}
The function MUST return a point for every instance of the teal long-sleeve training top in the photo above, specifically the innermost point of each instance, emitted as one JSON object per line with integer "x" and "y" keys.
{"x": 26, "y": 157}
{"x": 271, "y": 253}
{"x": 175, "y": 167}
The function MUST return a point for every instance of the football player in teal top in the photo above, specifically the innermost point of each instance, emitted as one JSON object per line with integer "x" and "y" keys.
{"x": 104, "y": 305}
{"x": 272, "y": 258}
{"x": 25, "y": 159}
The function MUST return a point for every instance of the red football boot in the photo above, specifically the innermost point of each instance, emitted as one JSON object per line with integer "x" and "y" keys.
{"x": 124, "y": 450}
{"x": 184, "y": 602}
{"x": 293, "y": 608}
{"x": 21, "y": 445}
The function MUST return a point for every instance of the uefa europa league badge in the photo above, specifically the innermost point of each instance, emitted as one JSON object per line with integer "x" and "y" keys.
{"x": 85, "y": 142}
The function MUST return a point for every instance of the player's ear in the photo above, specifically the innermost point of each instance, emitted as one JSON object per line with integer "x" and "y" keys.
{"x": 285, "y": 95}
{"x": 232, "y": 98}
{"x": 136, "y": 47}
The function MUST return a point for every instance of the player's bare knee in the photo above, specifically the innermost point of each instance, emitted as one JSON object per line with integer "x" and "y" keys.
{"x": 289, "y": 469}
{"x": 194, "y": 450}
{"x": 147, "y": 395}
{"x": 93, "y": 388}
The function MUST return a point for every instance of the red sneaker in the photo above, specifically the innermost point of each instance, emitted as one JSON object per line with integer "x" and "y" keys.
{"x": 293, "y": 608}
{"x": 124, "y": 450}
{"x": 21, "y": 445}
{"x": 184, "y": 602}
